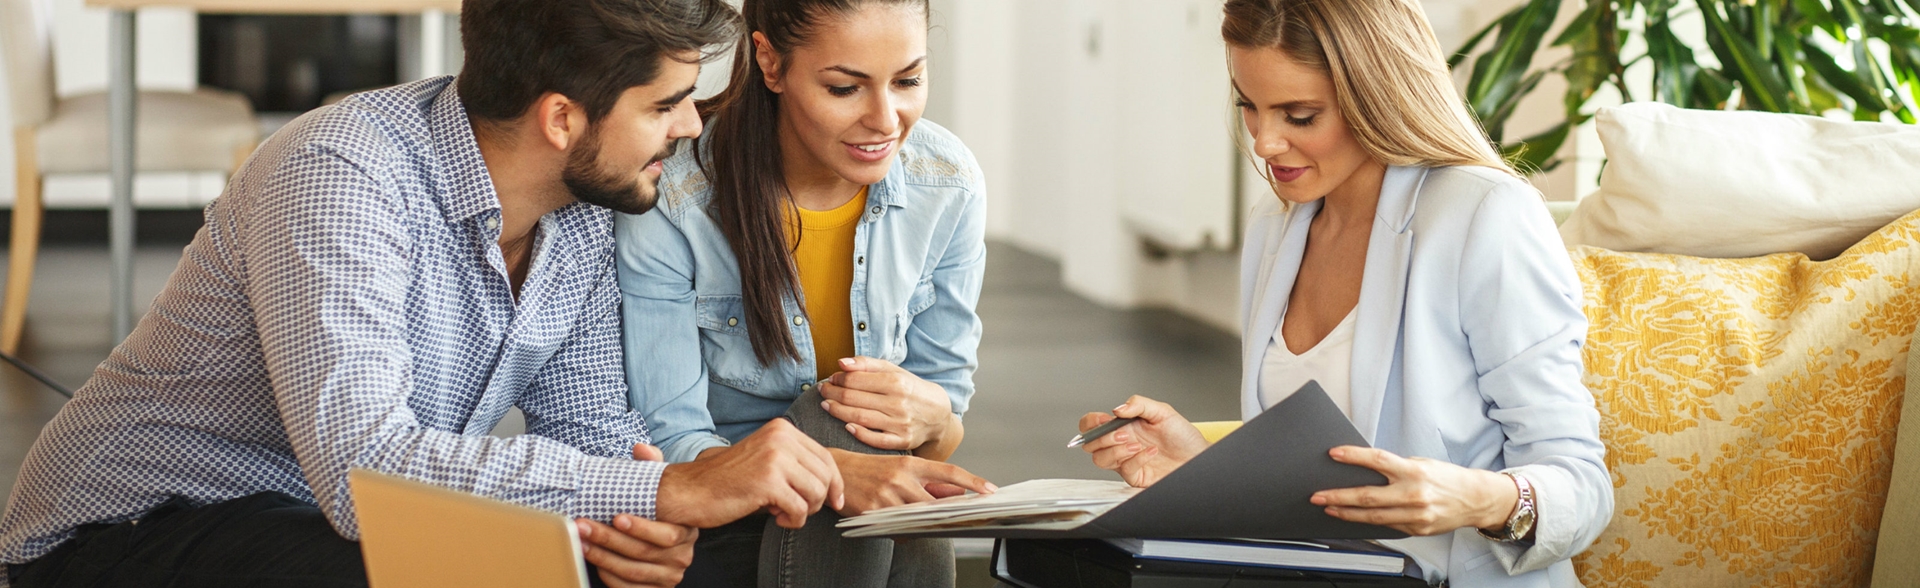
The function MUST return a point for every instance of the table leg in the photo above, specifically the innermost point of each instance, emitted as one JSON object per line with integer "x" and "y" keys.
{"x": 121, "y": 94}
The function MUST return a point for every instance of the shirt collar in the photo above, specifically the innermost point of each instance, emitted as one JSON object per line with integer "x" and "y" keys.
{"x": 464, "y": 188}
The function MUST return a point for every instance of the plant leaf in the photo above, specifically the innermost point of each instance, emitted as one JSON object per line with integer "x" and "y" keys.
{"x": 1498, "y": 73}
{"x": 1453, "y": 61}
{"x": 1711, "y": 90}
{"x": 1819, "y": 62}
{"x": 1673, "y": 64}
{"x": 1761, "y": 81}
{"x": 1535, "y": 154}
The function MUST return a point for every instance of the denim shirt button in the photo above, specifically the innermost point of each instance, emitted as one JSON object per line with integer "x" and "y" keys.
{"x": 799, "y": 320}
{"x": 861, "y": 260}
{"x": 862, "y": 326}
{"x": 876, "y": 211}
{"x": 806, "y": 387}
{"x": 733, "y": 321}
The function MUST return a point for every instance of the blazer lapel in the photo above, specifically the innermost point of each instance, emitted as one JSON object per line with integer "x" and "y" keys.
{"x": 1383, "y": 294}
{"x": 1278, "y": 269}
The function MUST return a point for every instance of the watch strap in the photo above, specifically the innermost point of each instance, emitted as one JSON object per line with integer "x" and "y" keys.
{"x": 1524, "y": 509}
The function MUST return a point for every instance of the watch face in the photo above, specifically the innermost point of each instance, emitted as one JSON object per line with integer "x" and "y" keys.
{"x": 1522, "y": 525}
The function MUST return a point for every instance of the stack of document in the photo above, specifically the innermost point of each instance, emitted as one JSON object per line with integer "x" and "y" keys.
{"x": 1030, "y": 505}
{"x": 1335, "y": 556}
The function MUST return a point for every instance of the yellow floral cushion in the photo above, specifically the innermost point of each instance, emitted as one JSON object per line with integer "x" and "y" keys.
{"x": 1749, "y": 408}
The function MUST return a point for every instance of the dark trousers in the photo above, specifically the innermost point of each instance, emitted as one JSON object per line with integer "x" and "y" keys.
{"x": 267, "y": 539}
{"x": 754, "y": 551}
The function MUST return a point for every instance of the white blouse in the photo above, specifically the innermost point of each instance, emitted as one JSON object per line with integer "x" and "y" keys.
{"x": 1329, "y": 362}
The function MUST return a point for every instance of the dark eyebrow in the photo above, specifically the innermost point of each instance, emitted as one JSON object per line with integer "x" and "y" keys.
{"x": 676, "y": 97}
{"x": 1242, "y": 97}
{"x": 849, "y": 71}
{"x": 910, "y": 66}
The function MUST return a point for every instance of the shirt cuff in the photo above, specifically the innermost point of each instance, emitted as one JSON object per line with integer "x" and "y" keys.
{"x": 688, "y": 447}
{"x": 611, "y": 486}
{"x": 1554, "y": 511}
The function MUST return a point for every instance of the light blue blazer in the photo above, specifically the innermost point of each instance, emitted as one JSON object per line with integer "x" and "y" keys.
{"x": 1466, "y": 350}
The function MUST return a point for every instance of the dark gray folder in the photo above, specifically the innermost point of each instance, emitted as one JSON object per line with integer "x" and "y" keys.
{"x": 1255, "y": 483}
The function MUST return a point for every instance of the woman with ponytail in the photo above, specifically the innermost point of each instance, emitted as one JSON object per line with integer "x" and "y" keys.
{"x": 816, "y": 255}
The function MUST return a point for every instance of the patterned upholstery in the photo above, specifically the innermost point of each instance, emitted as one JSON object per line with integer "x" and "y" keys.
{"x": 1750, "y": 410}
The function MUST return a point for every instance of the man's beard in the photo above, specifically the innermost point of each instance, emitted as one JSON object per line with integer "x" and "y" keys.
{"x": 593, "y": 183}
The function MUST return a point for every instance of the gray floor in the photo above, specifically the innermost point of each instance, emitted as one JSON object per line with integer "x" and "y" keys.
{"x": 1048, "y": 356}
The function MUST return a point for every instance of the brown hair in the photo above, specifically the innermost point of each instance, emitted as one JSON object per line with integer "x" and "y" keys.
{"x": 750, "y": 198}
{"x": 1390, "y": 77}
{"x": 587, "y": 50}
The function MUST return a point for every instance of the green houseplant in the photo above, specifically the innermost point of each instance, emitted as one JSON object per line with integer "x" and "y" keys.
{"x": 1796, "y": 56}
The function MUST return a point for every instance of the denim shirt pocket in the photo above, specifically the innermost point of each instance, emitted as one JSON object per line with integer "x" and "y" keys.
{"x": 922, "y": 299}
{"x": 724, "y": 344}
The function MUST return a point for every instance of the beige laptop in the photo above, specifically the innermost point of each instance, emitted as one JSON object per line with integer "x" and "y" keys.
{"x": 419, "y": 536}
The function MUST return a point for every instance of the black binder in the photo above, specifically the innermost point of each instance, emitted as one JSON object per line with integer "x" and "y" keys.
{"x": 1255, "y": 483}
{"x": 1091, "y": 563}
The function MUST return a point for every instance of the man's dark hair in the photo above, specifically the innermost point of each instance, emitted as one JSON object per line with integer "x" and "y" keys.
{"x": 587, "y": 50}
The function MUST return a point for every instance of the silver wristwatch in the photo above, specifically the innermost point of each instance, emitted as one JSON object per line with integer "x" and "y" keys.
{"x": 1521, "y": 521}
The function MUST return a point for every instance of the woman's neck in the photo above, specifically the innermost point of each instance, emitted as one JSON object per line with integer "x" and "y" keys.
{"x": 813, "y": 185}
{"x": 1354, "y": 202}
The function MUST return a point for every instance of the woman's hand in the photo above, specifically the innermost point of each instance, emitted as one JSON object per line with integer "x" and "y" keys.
{"x": 1147, "y": 449}
{"x": 1422, "y": 496}
{"x": 889, "y": 408}
{"x": 880, "y": 481}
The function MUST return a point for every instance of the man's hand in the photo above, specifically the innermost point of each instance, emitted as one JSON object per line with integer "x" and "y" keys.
{"x": 888, "y": 407}
{"x": 637, "y": 552}
{"x": 880, "y": 481}
{"x": 777, "y": 468}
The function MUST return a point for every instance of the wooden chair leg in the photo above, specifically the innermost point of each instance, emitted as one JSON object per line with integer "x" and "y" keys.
{"x": 25, "y": 247}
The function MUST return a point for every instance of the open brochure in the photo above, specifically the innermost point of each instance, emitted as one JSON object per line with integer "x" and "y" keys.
{"x": 1254, "y": 483}
{"x": 1033, "y": 504}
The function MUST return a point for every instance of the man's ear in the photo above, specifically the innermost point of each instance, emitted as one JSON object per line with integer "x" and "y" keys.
{"x": 561, "y": 120}
{"x": 769, "y": 62}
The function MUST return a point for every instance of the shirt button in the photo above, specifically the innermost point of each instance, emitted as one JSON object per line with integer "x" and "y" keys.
{"x": 799, "y": 320}
{"x": 861, "y": 260}
{"x": 876, "y": 211}
{"x": 806, "y": 387}
{"x": 863, "y": 325}
{"x": 493, "y": 223}
{"x": 733, "y": 322}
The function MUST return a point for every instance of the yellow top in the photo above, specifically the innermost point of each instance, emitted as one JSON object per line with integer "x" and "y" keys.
{"x": 824, "y": 257}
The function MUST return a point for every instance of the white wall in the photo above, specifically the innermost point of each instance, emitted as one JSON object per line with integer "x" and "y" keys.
{"x": 1036, "y": 90}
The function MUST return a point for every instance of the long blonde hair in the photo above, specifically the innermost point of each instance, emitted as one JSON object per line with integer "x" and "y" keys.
{"x": 1390, "y": 77}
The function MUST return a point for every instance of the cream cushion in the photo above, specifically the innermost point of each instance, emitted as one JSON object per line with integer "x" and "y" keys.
{"x": 1895, "y": 566}
{"x": 177, "y": 131}
{"x": 1771, "y": 182}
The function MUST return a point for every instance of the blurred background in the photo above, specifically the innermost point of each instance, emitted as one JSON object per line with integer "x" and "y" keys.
{"x": 1104, "y": 128}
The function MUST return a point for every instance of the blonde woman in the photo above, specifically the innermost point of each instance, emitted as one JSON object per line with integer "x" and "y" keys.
{"x": 1406, "y": 268}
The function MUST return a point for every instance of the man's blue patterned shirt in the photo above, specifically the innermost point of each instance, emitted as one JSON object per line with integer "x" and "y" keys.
{"x": 346, "y": 305}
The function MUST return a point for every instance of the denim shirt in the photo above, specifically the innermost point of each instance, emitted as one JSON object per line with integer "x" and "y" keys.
{"x": 919, "y": 255}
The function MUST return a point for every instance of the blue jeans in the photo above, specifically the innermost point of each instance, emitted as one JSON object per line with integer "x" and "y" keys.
{"x": 755, "y": 551}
